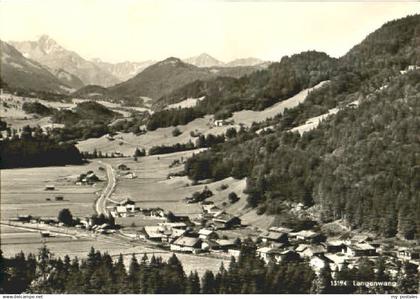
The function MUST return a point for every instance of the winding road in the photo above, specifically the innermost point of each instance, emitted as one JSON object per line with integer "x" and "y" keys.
{"x": 100, "y": 205}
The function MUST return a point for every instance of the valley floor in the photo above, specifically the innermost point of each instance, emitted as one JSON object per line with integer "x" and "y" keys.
{"x": 23, "y": 193}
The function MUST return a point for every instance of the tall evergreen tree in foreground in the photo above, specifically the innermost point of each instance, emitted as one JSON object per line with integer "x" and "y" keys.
{"x": 99, "y": 274}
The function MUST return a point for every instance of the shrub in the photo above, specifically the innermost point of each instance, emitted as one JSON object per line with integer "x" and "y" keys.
{"x": 176, "y": 132}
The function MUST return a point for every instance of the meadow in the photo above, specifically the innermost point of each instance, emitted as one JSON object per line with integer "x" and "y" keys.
{"x": 14, "y": 240}
{"x": 22, "y": 191}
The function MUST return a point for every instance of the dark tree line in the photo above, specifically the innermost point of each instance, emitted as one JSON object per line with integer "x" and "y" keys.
{"x": 360, "y": 165}
{"x": 202, "y": 142}
{"x": 98, "y": 273}
{"x": 257, "y": 91}
{"x": 32, "y": 149}
{"x": 36, "y": 108}
{"x": 166, "y": 149}
{"x": 172, "y": 117}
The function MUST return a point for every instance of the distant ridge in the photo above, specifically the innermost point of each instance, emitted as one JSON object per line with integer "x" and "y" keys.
{"x": 205, "y": 60}
{"x": 49, "y": 53}
{"x": 19, "y": 72}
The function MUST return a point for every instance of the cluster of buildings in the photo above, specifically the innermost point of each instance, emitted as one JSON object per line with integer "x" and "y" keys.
{"x": 88, "y": 178}
{"x": 184, "y": 237}
{"x": 126, "y": 208}
{"x": 125, "y": 172}
{"x": 280, "y": 244}
{"x": 181, "y": 233}
{"x": 87, "y": 223}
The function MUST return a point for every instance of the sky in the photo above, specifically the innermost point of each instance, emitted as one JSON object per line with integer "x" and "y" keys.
{"x": 139, "y": 30}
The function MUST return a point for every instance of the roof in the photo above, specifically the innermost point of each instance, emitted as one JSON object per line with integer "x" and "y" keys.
{"x": 187, "y": 241}
{"x": 305, "y": 234}
{"x": 127, "y": 201}
{"x": 280, "y": 229}
{"x": 336, "y": 258}
{"x": 315, "y": 249}
{"x": 121, "y": 209}
{"x": 224, "y": 217}
{"x": 173, "y": 224}
{"x": 288, "y": 251}
{"x": 206, "y": 232}
{"x": 273, "y": 235}
{"x": 301, "y": 247}
{"x": 361, "y": 246}
{"x": 177, "y": 232}
{"x": 264, "y": 249}
{"x": 211, "y": 243}
{"x": 360, "y": 238}
{"x": 91, "y": 175}
{"x": 224, "y": 242}
{"x": 213, "y": 208}
{"x": 153, "y": 231}
{"x": 323, "y": 258}
{"x": 335, "y": 243}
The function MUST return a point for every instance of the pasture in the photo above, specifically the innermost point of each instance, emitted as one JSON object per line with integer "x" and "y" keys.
{"x": 151, "y": 189}
{"x": 14, "y": 240}
{"x": 126, "y": 143}
{"x": 22, "y": 191}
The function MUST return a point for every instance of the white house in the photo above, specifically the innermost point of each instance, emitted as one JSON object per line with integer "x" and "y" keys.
{"x": 187, "y": 244}
{"x": 128, "y": 204}
{"x": 205, "y": 234}
{"x": 361, "y": 249}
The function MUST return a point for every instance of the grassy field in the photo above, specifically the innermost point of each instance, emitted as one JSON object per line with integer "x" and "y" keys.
{"x": 11, "y": 110}
{"x": 126, "y": 143}
{"x": 22, "y": 191}
{"x": 152, "y": 189}
{"x": 247, "y": 117}
{"x": 14, "y": 240}
{"x": 187, "y": 103}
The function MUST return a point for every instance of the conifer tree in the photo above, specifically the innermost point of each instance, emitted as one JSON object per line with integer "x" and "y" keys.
{"x": 408, "y": 279}
{"x": 322, "y": 284}
{"x": 120, "y": 276}
{"x": 193, "y": 283}
{"x": 208, "y": 283}
{"x": 134, "y": 276}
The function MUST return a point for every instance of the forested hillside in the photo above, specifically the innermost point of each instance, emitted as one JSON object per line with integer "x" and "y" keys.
{"x": 259, "y": 89}
{"x": 362, "y": 164}
{"x": 33, "y": 149}
{"x": 256, "y": 91}
{"x": 168, "y": 75}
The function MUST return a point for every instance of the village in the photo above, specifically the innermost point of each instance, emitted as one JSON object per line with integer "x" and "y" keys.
{"x": 207, "y": 235}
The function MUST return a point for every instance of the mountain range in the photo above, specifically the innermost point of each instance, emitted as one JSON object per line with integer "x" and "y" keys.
{"x": 19, "y": 72}
{"x": 170, "y": 74}
{"x": 123, "y": 70}
{"x": 123, "y": 79}
{"x": 48, "y": 52}
{"x": 205, "y": 60}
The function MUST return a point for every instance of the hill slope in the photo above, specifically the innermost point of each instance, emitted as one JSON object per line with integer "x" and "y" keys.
{"x": 49, "y": 53}
{"x": 19, "y": 72}
{"x": 361, "y": 164}
{"x": 167, "y": 75}
{"x": 259, "y": 89}
{"x": 203, "y": 60}
{"x": 123, "y": 70}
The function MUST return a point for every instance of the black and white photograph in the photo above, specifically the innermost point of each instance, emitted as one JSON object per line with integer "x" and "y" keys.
{"x": 223, "y": 147}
